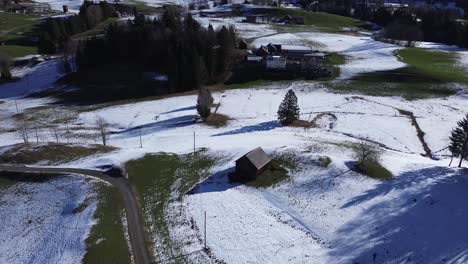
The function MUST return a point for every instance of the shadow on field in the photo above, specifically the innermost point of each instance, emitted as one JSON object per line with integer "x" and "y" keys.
{"x": 265, "y": 126}
{"x": 419, "y": 216}
{"x": 180, "y": 121}
{"x": 217, "y": 182}
{"x": 181, "y": 109}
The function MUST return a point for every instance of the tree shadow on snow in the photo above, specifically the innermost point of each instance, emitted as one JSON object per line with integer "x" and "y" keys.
{"x": 217, "y": 182}
{"x": 265, "y": 126}
{"x": 158, "y": 126}
{"x": 180, "y": 110}
{"x": 424, "y": 222}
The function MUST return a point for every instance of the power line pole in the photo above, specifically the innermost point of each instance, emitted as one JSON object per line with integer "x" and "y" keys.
{"x": 37, "y": 136}
{"x": 141, "y": 142}
{"x": 16, "y": 104}
{"x": 194, "y": 144}
{"x": 205, "y": 230}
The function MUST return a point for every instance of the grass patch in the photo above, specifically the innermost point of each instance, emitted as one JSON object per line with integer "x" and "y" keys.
{"x": 301, "y": 123}
{"x": 16, "y": 51}
{"x": 274, "y": 175}
{"x": 440, "y": 65}
{"x": 50, "y": 153}
{"x": 334, "y": 60}
{"x": 158, "y": 178}
{"x": 407, "y": 90}
{"x": 106, "y": 242}
{"x": 17, "y": 32}
{"x": 373, "y": 169}
{"x": 99, "y": 29}
{"x": 316, "y": 20}
{"x": 217, "y": 120}
{"x": 428, "y": 74}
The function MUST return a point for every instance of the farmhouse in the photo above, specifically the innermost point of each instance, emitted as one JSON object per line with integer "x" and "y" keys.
{"x": 252, "y": 164}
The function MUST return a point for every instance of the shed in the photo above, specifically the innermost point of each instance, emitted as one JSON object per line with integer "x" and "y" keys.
{"x": 252, "y": 164}
{"x": 272, "y": 48}
{"x": 262, "y": 51}
{"x": 242, "y": 44}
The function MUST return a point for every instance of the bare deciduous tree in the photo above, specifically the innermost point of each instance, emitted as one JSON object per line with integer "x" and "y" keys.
{"x": 55, "y": 133}
{"x": 366, "y": 151}
{"x": 23, "y": 132}
{"x": 204, "y": 103}
{"x": 102, "y": 126}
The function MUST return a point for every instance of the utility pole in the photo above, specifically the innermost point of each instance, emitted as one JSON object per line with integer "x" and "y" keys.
{"x": 16, "y": 104}
{"x": 37, "y": 136}
{"x": 68, "y": 135}
{"x": 205, "y": 230}
{"x": 194, "y": 144}
{"x": 141, "y": 142}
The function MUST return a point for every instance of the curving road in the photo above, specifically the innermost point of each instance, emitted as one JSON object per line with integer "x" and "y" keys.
{"x": 135, "y": 229}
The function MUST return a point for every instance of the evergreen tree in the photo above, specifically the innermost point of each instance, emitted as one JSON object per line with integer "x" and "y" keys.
{"x": 288, "y": 110}
{"x": 5, "y": 61}
{"x": 46, "y": 45}
{"x": 204, "y": 103}
{"x": 459, "y": 140}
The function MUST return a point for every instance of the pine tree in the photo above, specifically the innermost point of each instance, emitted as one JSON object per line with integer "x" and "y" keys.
{"x": 459, "y": 140}
{"x": 5, "y": 61}
{"x": 204, "y": 103}
{"x": 288, "y": 110}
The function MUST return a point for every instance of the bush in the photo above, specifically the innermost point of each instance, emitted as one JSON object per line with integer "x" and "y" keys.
{"x": 217, "y": 120}
{"x": 323, "y": 161}
{"x": 373, "y": 169}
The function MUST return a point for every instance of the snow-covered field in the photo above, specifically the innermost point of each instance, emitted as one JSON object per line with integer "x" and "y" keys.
{"x": 321, "y": 215}
{"x": 39, "y": 224}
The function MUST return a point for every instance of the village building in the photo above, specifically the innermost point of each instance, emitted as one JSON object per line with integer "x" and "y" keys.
{"x": 295, "y": 51}
{"x": 262, "y": 51}
{"x": 252, "y": 164}
{"x": 255, "y": 59}
{"x": 276, "y": 62}
{"x": 242, "y": 44}
{"x": 272, "y": 49}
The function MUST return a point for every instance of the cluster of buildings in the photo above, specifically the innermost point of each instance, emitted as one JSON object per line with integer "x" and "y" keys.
{"x": 393, "y": 5}
{"x": 25, "y": 7}
{"x": 280, "y": 57}
{"x": 288, "y": 20}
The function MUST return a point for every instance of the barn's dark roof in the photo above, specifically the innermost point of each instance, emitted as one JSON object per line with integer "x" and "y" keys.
{"x": 258, "y": 157}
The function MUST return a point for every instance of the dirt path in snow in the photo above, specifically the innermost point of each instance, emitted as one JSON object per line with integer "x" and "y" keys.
{"x": 419, "y": 133}
{"x": 135, "y": 229}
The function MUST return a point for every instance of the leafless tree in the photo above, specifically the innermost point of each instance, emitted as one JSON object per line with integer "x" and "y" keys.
{"x": 366, "y": 151}
{"x": 204, "y": 103}
{"x": 23, "y": 132}
{"x": 55, "y": 133}
{"x": 102, "y": 126}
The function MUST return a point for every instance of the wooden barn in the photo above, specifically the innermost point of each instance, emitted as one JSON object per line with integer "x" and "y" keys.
{"x": 252, "y": 164}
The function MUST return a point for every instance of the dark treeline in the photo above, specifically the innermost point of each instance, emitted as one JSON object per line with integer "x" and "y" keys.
{"x": 173, "y": 44}
{"x": 57, "y": 31}
{"x": 425, "y": 24}
{"x": 409, "y": 23}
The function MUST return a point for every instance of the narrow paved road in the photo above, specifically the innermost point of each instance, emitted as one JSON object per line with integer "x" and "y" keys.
{"x": 135, "y": 229}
